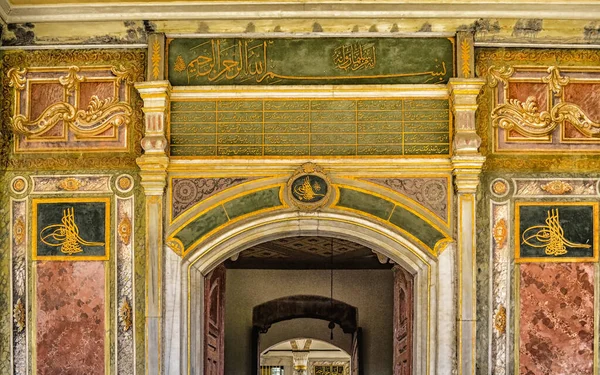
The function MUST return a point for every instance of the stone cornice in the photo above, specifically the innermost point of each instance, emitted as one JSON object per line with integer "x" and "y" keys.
{"x": 311, "y": 9}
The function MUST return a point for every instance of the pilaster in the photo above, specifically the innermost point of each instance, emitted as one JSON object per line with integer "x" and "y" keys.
{"x": 467, "y": 163}
{"x": 153, "y": 172}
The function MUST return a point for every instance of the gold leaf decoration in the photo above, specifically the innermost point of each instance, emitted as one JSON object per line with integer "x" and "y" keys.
{"x": 500, "y": 320}
{"x": 499, "y": 74}
{"x": 179, "y": 64}
{"x": 124, "y": 230}
{"x": 176, "y": 246}
{"x": 499, "y": 232}
{"x": 499, "y": 187}
{"x": 19, "y": 315}
{"x": 19, "y": 231}
{"x": 71, "y": 80}
{"x": 527, "y": 120}
{"x": 125, "y": 314}
{"x": 555, "y": 80}
{"x": 19, "y": 185}
{"x": 70, "y": 184}
{"x": 124, "y": 183}
{"x": 156, "y": 59}
{"x": 465, "y": 54}
{"x": 96, "y": 119}
{"x": 557, "y": 187}
{"x": 16, "y": 78}
{"x": 123, "y": 74}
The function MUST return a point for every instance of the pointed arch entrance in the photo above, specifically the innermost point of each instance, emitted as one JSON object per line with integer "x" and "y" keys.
{"x": 432, "y": 316}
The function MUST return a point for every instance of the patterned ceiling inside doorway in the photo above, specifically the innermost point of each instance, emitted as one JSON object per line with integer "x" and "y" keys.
{"x": 308, "y": 252}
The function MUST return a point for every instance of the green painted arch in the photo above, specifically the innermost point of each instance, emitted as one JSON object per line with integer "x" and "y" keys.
{"x": 412, "y": 224}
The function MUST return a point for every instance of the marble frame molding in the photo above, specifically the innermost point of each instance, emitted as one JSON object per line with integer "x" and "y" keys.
{"x": 435, "y": 323}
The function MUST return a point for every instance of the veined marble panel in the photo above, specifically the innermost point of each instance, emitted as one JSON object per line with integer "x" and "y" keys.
{"x": 556, "y": 320}
{"x": 544, "y": 187}
{"x": 71, "y": 184}
{"x": 499, "y": 285}
{"x": 125, "y": 348}
{"x": 19, "y": 285}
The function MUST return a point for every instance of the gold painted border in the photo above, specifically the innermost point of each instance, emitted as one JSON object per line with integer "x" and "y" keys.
{"x": 517, "y": 234}
{"x": 283, "y": 205}
{"x": 107, "y": 230}
{"x": 387, "y": 223}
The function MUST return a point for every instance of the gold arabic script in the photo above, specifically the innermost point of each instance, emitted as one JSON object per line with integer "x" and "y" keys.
{"x": 354, "y": 57}
{"x": 550, "y": 236}
{"x": 66, "y": 235}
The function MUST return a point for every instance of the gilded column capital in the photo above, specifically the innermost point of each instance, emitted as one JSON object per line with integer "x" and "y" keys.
{"x": 467, "y": 169}
{"x": 153, "y": 172}
{"x": 463, "y": 97}
{"x": 155, "y": 94}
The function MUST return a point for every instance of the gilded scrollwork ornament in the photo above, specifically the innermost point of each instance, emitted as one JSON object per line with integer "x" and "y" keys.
{"x": 497, "y": 74}
{"x": 16, "y": 78}
{"x": 71, "y": 80}
{"x": 557, "y": 187}
{"x": 71, "y": 184}
{"x": 126, "y": 315}
{"x": 19, "y": 315}
{"x": 19, "y": 231}
{"x": 124, "y": 230}
{"x": 555, "y": 80}
{"x": 500, "y": 320}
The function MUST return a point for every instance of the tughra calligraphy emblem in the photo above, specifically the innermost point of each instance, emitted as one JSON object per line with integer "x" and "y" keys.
{"x": 550, "y": 236}
{"x": 66, "y": 235}
{"x": 307, "y": 191}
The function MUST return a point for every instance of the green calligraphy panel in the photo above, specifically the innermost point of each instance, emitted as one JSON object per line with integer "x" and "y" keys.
{"x": 310, "y": 127}
{"x": 309, "y": 61}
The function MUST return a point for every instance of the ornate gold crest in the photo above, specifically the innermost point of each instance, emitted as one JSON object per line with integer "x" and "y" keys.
{"x": 124, "y": 230}
{"x": 19, "y": 231}
{"x": 19, "y": 315}
{"x": 125, "y": 314}
{"x": 70, "y": 184}
{"x": 557, "y": 187}
{"x": 500, "y": 320}
{"x": 499, "y": 232}
{"x": 309, "y": 187}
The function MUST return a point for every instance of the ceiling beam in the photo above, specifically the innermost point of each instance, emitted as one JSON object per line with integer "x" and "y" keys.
{"x": 311, "y": 9}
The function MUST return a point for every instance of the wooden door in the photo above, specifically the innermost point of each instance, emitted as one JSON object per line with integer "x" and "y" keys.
{"x": 214, "y": 322}
{"x": 403, "y": 321}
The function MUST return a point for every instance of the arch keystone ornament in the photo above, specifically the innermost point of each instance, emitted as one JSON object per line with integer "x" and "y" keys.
{"x": 309, "y": 188}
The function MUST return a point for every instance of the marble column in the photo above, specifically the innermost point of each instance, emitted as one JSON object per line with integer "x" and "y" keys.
{"x": 467, "y": 165}
{"x": 153, "y": 172}
{"x": 300, "y": 358}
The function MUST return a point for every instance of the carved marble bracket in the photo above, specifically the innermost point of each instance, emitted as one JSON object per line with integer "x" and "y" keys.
{"x": 463, "y": 96}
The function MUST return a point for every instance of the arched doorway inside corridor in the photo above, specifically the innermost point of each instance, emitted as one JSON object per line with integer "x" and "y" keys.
{"x": 228, "y": 248}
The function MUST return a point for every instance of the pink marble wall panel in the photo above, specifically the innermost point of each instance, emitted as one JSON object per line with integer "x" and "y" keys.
{"x": 556, "y": 319}
{"x": 70, "y": 318}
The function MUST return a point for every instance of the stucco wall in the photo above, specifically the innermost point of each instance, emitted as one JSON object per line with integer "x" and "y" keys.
{"x": 371, "y": 291}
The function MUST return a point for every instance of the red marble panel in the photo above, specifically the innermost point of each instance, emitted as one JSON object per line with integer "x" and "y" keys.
{"x": 70, "y": 318}
{"x": 556, "y": 320}
{"x": 523, "y": 90}
{"x": 103, "y": 90}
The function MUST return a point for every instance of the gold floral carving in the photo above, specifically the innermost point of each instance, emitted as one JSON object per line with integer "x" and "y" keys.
{"x": 499, "y": 232}
{"x": 555, "y": 80}
{"x": 71, "y": 80}
{"x": 499, "y": 74}
{"x": 499, "y": 187}
{"x": 123, "y": 74}
{"x": 70, "y": 184}
{"x": 557, "y": 187}
{"x": 465, "y": 54}
{"x": 124, "y": 183}
{"x": 99, "y": 116}
{"x": 156, "y": 59}
{"x": 19, "y": 315}
{"x": 124, "y": 230}
{"x": 527, "y": 120}
{"x": 19, "y": 231}
{"x": 500, "y": 320}
{"x": 125, "y": 314}
{"x": 16, "y": 78}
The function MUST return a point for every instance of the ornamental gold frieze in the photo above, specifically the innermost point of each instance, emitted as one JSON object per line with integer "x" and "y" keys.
{"x": 537, "y": 102}
{"x": 68, "y": 101}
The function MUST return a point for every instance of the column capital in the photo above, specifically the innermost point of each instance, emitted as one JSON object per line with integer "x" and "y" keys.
{"x": 155, "y": 94}
{"x": 153, "y": 171}
{"x": 463, "y": 98}
{"x": 466, "y": 171}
